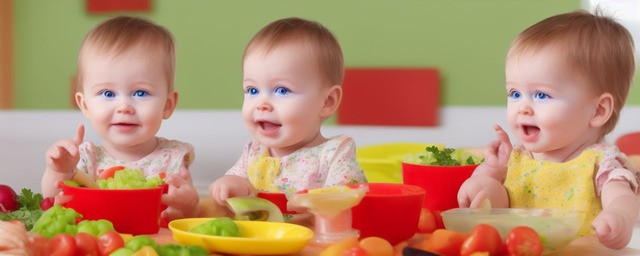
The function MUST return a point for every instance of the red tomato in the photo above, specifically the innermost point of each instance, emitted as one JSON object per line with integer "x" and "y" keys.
{"x": 109, "y": 242}
{"x": 483, "y": 238}
{"x": 62, "y": 245}
{"x": 427, "y": 222}
{"x": 524, "y": 241}
{"x": 86, "y": 245}
{"x": 355, "y": 251}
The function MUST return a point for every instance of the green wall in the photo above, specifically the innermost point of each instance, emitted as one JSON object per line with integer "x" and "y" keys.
{"x": 465, "y": 39}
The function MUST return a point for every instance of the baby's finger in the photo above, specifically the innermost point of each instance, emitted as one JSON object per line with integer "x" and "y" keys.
{"x": 478, "y": 200}
{"x": 54, "y": 152}
{"x": 184, "y": 173}
{"x": 79, "y": 134}
{"x": 502, "y": 135}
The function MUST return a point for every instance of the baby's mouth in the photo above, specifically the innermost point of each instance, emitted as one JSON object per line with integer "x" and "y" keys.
{"x": 530, "y": 130}
{"x": 268, "y": 126}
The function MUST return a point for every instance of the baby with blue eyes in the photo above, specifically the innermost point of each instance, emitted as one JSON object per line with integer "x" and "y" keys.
{"x": 292, "y": 76}
{"x": 126, "y": 69}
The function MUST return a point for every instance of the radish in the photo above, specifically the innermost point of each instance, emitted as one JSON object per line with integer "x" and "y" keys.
{"x": 8, "y": 199}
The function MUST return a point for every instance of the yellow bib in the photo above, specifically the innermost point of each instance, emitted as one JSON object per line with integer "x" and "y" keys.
{"x": 263, "y": 173}
{"x": 569, "y": 186}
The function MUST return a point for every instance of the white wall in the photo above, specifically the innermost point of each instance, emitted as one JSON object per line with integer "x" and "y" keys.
{"x": 218, "y": 137}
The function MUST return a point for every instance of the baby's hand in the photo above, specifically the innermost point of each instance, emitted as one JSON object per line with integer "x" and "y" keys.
{"x": 63, "y": 156}
{"x": 613, "y": 229}
{"x": 230, "y": 186}
{"x": 182, "y": 198}
{"x": 475, "y": 190}
{"x": 496, "y": 156}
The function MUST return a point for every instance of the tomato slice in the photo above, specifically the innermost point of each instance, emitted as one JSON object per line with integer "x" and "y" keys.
{"x": 109, "y": 242}
{"x": 61, "y": 245}
{"x": 523, "y": 241}
{"x": 108, "y": 173}
{"x": 483, "y": 238}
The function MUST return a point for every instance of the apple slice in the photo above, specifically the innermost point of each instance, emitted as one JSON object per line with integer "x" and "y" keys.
{"x": 255, "y": 208}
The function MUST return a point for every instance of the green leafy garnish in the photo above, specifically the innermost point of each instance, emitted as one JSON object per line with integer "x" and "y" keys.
{"x": 444, "y": 157}
{"x": 29, "y": 211}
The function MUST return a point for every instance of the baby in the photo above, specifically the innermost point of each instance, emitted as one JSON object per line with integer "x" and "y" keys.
{"x": 126, "y": 69}
{"x": 567, "y": 78}
{"x": 293, "y": 70}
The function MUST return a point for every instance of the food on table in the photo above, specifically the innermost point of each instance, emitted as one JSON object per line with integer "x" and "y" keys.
{"x": 483, "y": 238}
{"x": 255, "y": 208}
{"x": 523, "y": 241}
{"x": 144, "y": 245}
{"x": 95, "y": 227}
{"x": 47, "y": 203}
{"x": 57, "y": 220}
{"x": 223, "y": 226}
{"x": 29, "y": 208}
{"x": 84, "y": 180}
{"x": 444, "y": 157}
{"x": 8, "y": 199}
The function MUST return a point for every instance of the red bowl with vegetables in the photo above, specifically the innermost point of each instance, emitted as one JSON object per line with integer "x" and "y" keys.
{"x": 132, "y": 211}
{"x": 388, "y": 210}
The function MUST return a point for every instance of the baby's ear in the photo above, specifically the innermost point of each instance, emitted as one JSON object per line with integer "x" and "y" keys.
{"x": 82, "y": 105}
{"x": 170, "y": 105}
{"x": 331, "y": 101}
{"x": 603, "y": 111}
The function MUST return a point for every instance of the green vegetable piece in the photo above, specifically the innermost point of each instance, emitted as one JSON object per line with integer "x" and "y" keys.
{"x": 29, "y": 200}
{"x": 71, "y": 183}
{"x": 122, "y": 252}
{"x": 137, "y": 242}
{"x": 56, "y": 220}
{"x": 218, "y": 227}
{"x": 95, "y": 227}
{"x": 180, "y": 250}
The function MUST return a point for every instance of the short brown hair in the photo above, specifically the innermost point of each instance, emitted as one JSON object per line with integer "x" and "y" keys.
{"x": 595, "y": 47}
{"x": 122, "y": 33}
{"x": 326, "y": 46}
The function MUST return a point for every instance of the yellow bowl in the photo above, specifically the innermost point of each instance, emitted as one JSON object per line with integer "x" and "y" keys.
{"x": 383, "y": 162}
{"x": 258, "y": 237}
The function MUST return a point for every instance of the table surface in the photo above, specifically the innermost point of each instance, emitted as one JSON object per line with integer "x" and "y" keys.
{"x": 583, "y": 246}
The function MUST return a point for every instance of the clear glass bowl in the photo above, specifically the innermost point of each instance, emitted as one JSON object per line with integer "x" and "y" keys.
{"x": 557, "y": 228}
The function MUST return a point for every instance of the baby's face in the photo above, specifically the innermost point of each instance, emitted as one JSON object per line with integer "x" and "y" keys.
{"x": 283, "y": 97}
{"x": 549, "y": 108}
{"x": 125, "y": 97}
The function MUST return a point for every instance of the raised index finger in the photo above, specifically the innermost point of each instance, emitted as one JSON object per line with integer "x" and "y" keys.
{"x": 79, "y": 135}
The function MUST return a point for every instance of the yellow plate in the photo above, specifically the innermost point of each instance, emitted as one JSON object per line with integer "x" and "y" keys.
{"x": 258, "y": 237}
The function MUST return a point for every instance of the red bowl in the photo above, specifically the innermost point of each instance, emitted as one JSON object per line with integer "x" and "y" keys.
{"x": 132, "y": 211}
{"x": 279, "y": 199}
{"x": 388, "y": 210}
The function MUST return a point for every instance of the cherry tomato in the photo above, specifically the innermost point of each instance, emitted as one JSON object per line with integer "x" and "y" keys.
{"x": 524, "y": 241}
{"x": 109, "y": 242}
{"x": 62, "y": 245}
{"x": 376, "y": 246}
{"x": 483, "y": 238}
{"x": 427, "y": 222}
{"x": 86, "y": 245}
{"x": 355, "y": 251}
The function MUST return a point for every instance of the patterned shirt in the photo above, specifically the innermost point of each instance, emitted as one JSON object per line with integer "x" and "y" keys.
{"x": 167, "y": 157}
{"x": 328, "y": 164}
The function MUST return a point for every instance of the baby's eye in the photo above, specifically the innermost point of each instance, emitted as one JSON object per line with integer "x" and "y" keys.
{"x": 541, "y": 96}
{"x": 514, "y": 95}
{"x": 252, "y": 91}
{"x": 140, "y": 93}
{"x": 108, "y": 94}
{"x": 282, "y": 91}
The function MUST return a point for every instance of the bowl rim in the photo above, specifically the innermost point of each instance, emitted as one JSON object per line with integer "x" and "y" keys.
{"x": 159, "y": 187}
{"x": 408, "y": 189}
{"x": 529, "y": 212}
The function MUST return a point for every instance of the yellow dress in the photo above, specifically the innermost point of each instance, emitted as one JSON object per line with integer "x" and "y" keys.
{"x": 532, "y": 183}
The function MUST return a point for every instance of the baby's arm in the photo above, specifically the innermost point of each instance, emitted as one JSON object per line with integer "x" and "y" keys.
{"x": 486, "y": 180}
{"x": 62, "y": 158}
{"x": 614, "y": 225}
{"x": 182, "y": 198}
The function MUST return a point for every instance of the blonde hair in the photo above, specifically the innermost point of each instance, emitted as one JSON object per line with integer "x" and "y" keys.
{"x": 596, "y": 47}
{"x": 319, "y": 39}
{"x": 120, "y": 34}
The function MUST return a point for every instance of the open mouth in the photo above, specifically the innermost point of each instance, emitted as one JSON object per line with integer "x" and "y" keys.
{"x": 268, "y": 126}
{"x": 530, "y": 130}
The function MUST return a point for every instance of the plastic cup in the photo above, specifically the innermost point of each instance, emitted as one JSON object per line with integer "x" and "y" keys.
{"x": 388, "y": 210}
{"x": 132, "y": 211}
